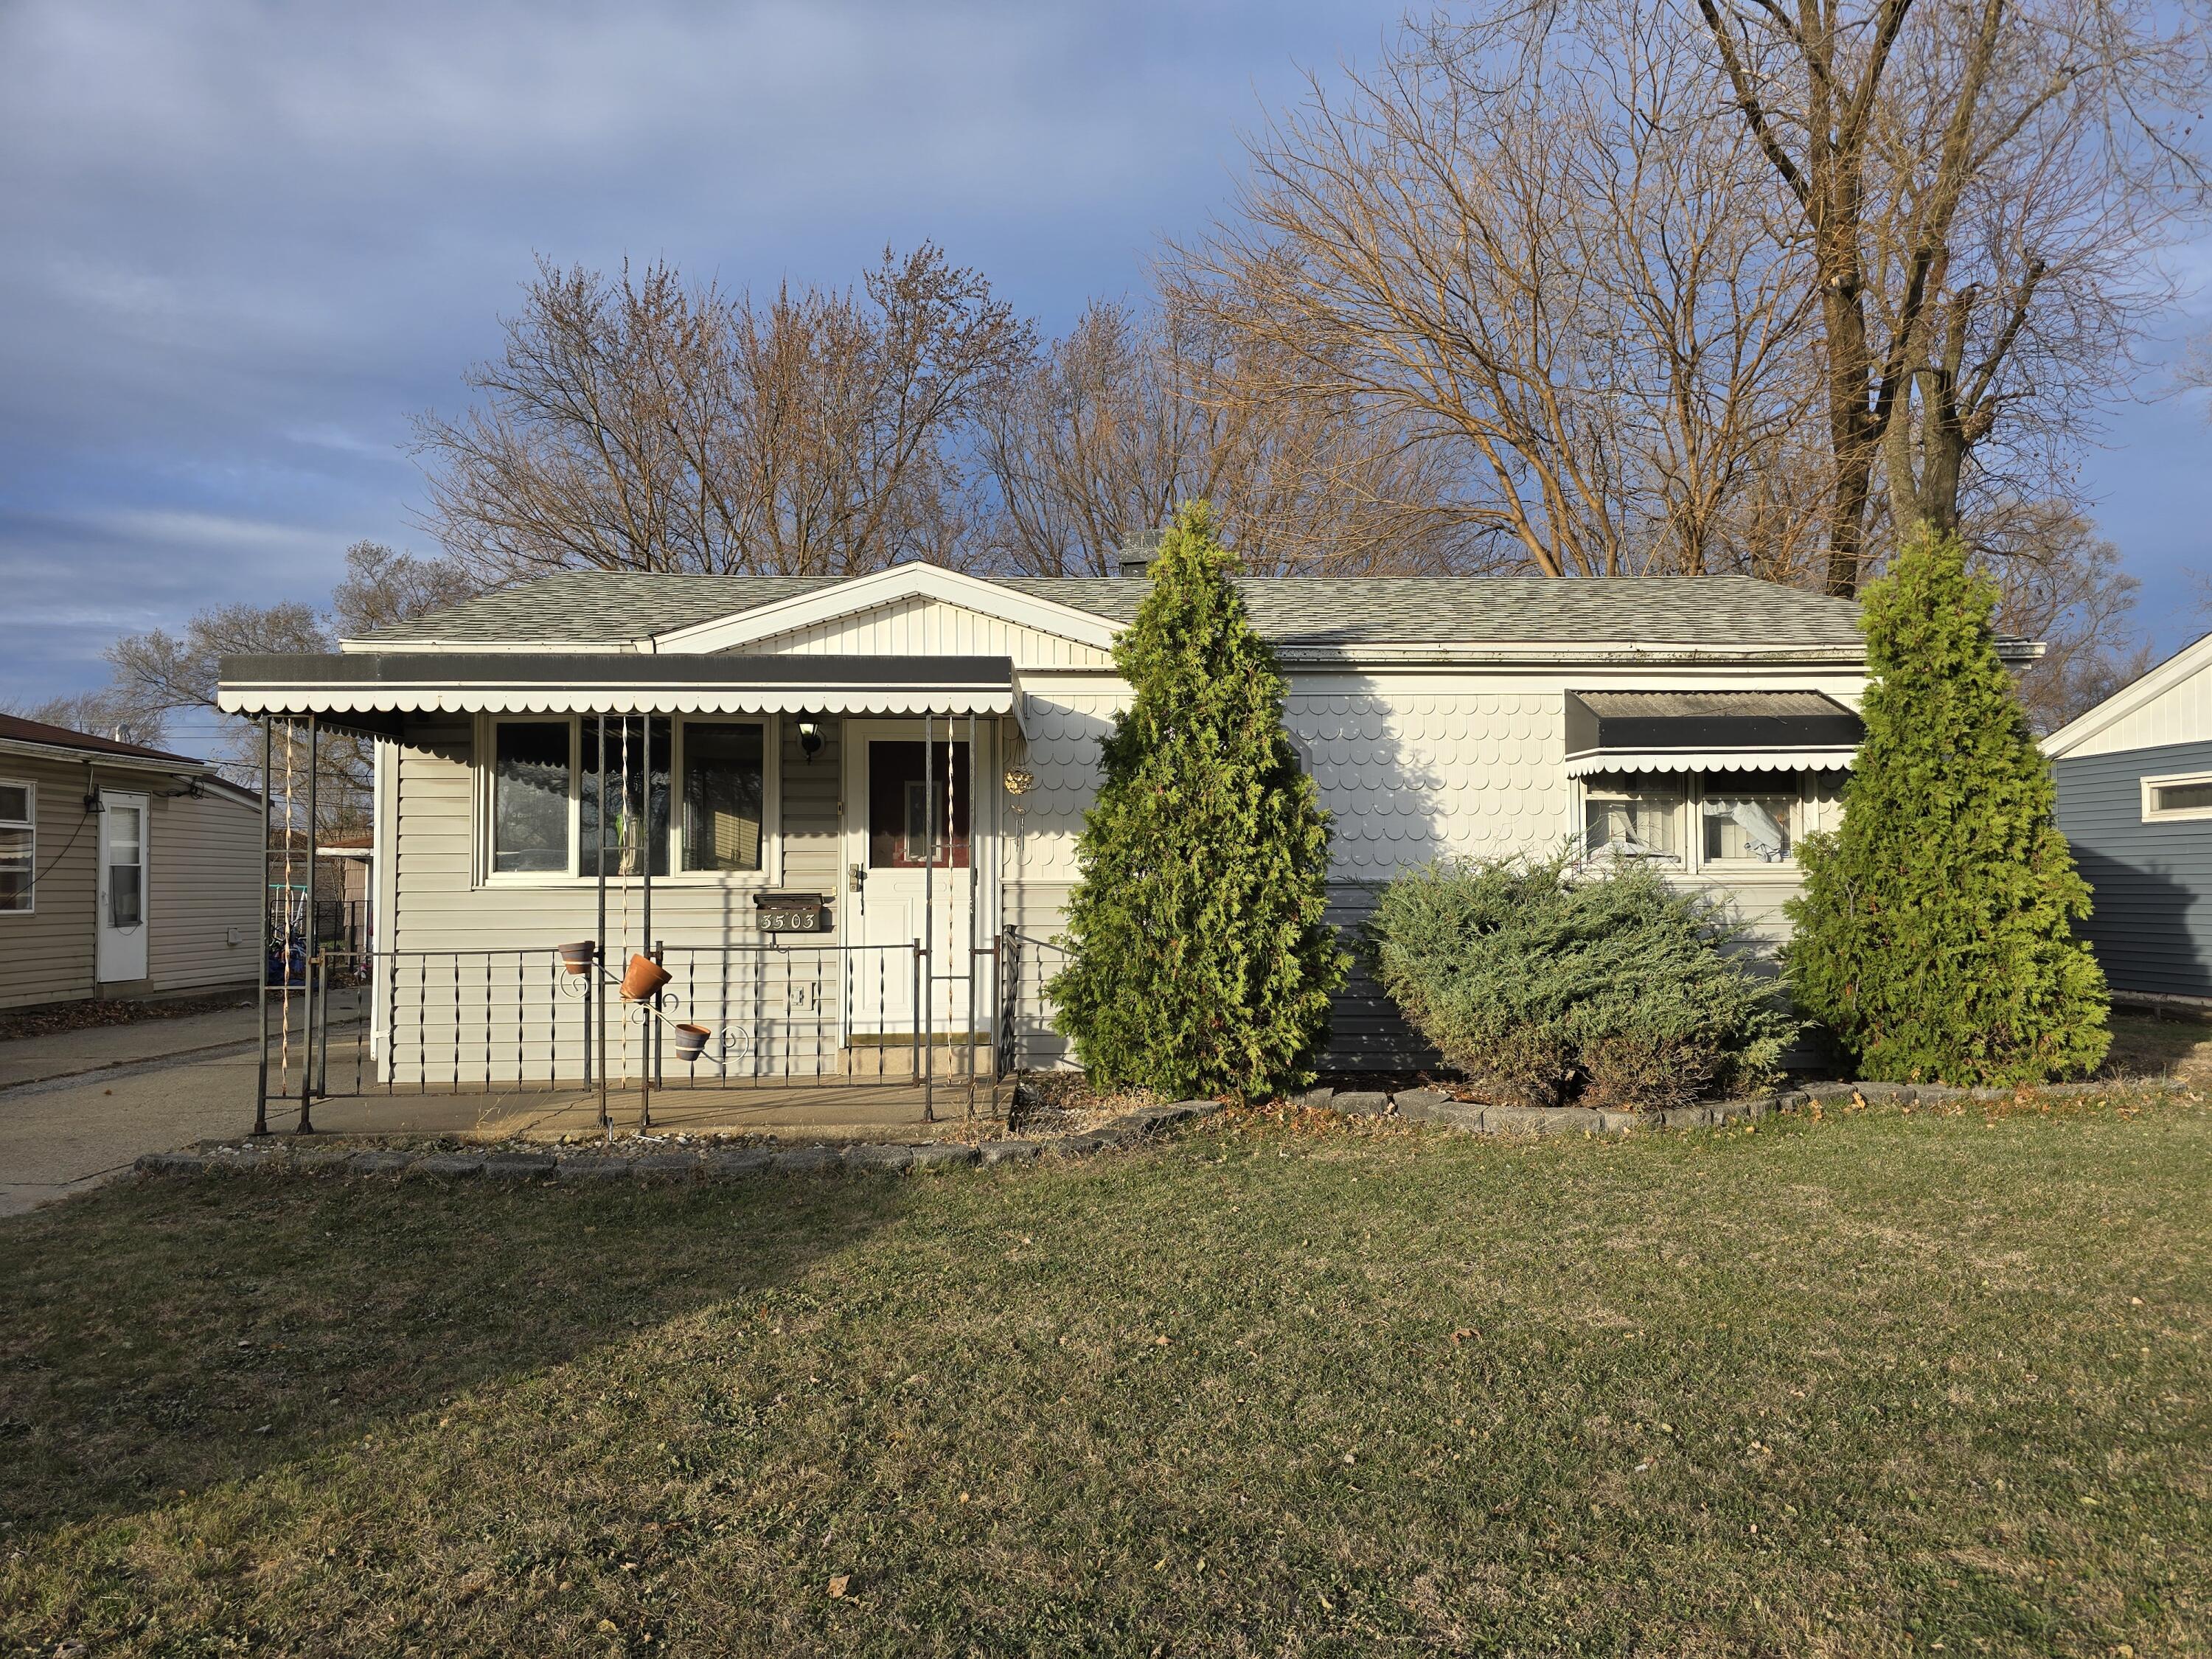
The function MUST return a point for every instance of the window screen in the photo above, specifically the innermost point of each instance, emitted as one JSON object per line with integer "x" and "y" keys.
{"x": 530, "y": 797}
{"x": 724, "y": 795}
{"x": 1633, "y": 816}
{"x": 1746, "y": 820}
{"x": 637, "y": 771}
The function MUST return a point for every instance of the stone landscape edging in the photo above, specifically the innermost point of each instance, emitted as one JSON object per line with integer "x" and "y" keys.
{"x": 658, "y": 1162}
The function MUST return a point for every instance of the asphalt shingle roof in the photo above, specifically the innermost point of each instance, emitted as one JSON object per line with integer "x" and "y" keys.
{"x": 589, "y": 607}
{"x": 17, "y": 729}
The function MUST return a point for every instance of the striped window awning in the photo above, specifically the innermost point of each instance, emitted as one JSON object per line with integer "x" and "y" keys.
{"x": 1708, "y": 731}
{"x": 372, "y": 691}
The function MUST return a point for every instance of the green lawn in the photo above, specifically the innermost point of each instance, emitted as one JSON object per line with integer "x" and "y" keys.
{"x": 1883, "y": 1384}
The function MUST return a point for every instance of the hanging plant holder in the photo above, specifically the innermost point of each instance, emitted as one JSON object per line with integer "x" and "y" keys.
{"x": 644, "y": 977}
{"x": 691, "y": 1042}
{"x": 577, "y": 958}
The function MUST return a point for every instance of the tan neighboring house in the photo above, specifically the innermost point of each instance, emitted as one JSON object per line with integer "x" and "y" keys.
{"x": 124, "y": 870}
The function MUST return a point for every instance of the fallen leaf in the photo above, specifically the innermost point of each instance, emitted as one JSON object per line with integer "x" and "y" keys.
{"x": 838, "y": 1585}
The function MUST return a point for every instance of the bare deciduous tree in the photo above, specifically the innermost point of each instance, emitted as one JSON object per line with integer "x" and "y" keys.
{"x": 1979, "y": 186}
{"x": 634, "y": 423}
{"x": 1132, "y": 413}
{"x": 1543, "y": 235}
{"x": 2062, "y": 584}
{"x": 159, "y": 674}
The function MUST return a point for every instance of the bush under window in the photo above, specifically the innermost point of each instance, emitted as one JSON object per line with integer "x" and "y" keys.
{"x": 1546, "y": 985}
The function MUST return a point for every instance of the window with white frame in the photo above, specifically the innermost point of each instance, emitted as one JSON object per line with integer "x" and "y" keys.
{"x": 19, "y": 846}
{"x": 1634, "y": 815}
{"x": 532, "y": 778}
{"x": 1709, "y": 821}
{"x": 693, "y": 794}
{"x": 2177, "y": 798}
{"x": 1747, "y": 817}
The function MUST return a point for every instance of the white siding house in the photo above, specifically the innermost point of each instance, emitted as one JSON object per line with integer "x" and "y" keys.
{"x": 778, "y": 726}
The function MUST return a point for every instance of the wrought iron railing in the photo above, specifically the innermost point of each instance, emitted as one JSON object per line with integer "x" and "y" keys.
{"x": 500, "y": 1021}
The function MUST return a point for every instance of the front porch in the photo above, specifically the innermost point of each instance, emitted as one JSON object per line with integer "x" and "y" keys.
{"x": 738, "y": 894}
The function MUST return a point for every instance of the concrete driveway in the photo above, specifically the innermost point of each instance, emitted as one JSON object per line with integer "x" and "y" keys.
{"x": 78, "y": 1106}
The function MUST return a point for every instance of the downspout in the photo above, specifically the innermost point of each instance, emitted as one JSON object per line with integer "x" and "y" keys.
{"x": 92, "y": 806}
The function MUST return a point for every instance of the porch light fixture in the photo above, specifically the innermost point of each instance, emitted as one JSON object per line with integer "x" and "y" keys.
{"x": 810, "y": 736}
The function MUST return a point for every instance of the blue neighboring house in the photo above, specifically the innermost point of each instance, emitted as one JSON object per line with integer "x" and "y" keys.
{"x": 2134, "y": 798}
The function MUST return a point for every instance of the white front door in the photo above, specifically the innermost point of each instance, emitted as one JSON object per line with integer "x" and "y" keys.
{"x": 123, "y": 896}
{"x": 909, "y": 846}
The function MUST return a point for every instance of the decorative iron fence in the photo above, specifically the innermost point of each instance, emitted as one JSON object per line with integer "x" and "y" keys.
{"x": 361, "y": 1022}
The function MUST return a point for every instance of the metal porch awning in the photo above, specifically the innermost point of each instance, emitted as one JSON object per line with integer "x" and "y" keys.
{"x": 372, "y": 692}
{"x": 1708, "y": 731}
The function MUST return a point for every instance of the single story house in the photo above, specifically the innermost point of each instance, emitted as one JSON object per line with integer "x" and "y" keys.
{"x": 124, "y": 870}
{"x": 2135, "y": 800}
{"x": 848, "y": 807}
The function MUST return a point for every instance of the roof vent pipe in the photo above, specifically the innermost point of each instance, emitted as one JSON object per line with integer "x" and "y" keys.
{"x": 1135, "y": 556}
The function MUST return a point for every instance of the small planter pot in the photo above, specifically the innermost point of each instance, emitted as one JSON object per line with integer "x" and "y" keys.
{"x": 577, "y": 958}
{"x": 691, "y": 1042}
{"x": 644, "y": 977}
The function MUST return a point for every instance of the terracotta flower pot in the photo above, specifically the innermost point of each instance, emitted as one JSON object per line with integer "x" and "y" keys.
{"x": 691, "y": 1042}
{"x": 644, "y": 978}
{"x": 577, "y": 958}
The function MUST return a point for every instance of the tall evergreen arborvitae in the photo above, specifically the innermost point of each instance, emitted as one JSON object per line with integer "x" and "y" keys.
{"x": 1201, "y": 963}
{"x": 1935, "y": 937}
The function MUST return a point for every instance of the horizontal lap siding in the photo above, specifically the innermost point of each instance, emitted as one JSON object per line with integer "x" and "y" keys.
{"x": 47, "y": 956}
{"x": 491, "y": 1002}
{"x": 2150, "y": 926}
{"x": 204, "y": 884}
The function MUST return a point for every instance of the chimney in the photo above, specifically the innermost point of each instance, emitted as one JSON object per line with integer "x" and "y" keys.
{"x": 1136, "y": 552}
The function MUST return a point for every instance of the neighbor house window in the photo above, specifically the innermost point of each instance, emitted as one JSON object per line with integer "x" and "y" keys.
{"x": 1748, "y": 816}
{"x": 2177, "y": 798}
{"x": 531, "y": 767}
{"x": 725, "y": 794}
{"x": 1633, "y": 816}
{"x": 19, "y": 839}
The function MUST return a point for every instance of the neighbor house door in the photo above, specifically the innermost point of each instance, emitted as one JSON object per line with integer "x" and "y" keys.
{"x": 122, "y": 949}
{"x": 908, "y": 846}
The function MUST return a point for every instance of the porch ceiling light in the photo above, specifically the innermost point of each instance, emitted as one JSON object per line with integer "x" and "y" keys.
{"x": 810, "y": 736}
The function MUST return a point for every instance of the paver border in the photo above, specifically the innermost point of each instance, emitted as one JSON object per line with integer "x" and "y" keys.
{"x": 661, "y": 1163}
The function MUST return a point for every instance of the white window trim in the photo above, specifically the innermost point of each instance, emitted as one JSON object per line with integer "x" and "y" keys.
{"x": 769, "y": 876}
{"x": 30, "y": 822}
{"x": 1690, "y": 830}
{"x": 2152, "y": 813}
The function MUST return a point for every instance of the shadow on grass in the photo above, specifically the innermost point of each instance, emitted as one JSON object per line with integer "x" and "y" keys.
{"x": 238, "y": 1323}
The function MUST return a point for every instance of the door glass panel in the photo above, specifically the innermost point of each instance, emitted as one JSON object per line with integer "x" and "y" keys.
{"x": 126, "y": 867}
{"x": 908, "y": 795}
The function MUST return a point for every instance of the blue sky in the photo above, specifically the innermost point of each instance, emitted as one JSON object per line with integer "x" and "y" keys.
{"x": 241, "y": 244}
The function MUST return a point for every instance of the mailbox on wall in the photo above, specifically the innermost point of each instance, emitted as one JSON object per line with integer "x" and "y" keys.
{"x": 789, "y": 913}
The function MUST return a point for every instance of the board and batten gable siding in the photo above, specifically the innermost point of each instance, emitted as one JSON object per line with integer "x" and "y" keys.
{"x": 2151, "y": 883}
{"x": 201, "y": 884}
{"x": 914, "y": 627}
{"x": 2180, "y": 715}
